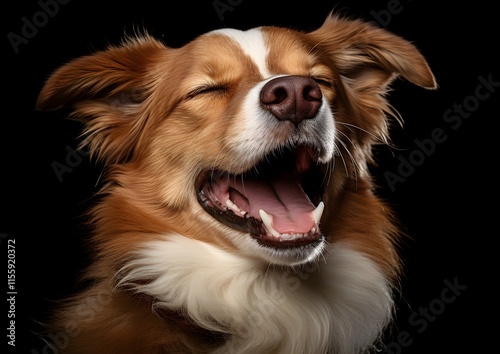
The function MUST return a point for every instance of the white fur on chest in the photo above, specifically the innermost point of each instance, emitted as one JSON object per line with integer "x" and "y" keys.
{"x": 339, "y": 306}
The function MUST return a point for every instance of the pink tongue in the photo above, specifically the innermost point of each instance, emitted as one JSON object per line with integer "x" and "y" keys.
{"x": 281, "y": 197}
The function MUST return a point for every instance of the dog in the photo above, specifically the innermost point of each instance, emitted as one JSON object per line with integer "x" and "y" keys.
{"x": 238, "y": 213}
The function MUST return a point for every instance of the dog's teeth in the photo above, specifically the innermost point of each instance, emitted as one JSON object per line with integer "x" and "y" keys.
{"x": 318, "y": 212}
{"x": 286, "y": 237}
{"x": 266, "y": 220}
{"x": 234, "y": 207}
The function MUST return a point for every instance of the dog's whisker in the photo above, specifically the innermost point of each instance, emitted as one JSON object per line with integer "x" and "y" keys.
{"x": 353, "y": 160}
{"x": 343, "y": 162}
{"x": 329, "y": 172}
{"x": 349, "y": 125}
{"x": 348, "y": 139}
{"x": 375, "y": 137}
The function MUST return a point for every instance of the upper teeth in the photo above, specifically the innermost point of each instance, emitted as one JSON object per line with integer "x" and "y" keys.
{"x": 267, "y": 221}
{"x": 318, "y": 212}
{"x": 234, "y": 207}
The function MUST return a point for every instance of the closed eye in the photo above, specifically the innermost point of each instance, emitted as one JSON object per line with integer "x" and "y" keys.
{"x": 208, "y": 89}
{"x": 323, "y": 81}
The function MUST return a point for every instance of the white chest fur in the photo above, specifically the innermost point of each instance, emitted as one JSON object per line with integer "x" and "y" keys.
{"x": 338, "y": 306}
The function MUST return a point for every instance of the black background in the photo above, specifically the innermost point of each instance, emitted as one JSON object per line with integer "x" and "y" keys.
{"x": 447, "y": 201}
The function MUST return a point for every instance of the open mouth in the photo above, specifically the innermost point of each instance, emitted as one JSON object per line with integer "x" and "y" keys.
{"x": 278, "y": 202}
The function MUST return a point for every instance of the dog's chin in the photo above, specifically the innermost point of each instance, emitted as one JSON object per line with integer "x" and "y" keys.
{"x": 293, "y": 255}
{"x": 276, "y": 205}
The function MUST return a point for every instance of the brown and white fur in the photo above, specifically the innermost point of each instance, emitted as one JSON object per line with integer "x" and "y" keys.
{"x": 177, "y": 268}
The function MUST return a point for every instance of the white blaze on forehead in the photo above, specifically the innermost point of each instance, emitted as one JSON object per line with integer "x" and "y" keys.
{"x": 252, "y": 43}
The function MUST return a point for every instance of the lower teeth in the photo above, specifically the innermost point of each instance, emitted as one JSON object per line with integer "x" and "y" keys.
{"x": 287, "y": 237}
{"x": 267, "y": 222}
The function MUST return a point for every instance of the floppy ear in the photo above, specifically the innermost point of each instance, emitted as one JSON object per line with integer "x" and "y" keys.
{"x": 105, "y": 90}
{"x": 367, "y": 59}
{"x": 360, "y": 49}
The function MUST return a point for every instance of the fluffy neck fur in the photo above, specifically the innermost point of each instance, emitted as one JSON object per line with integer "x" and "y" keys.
{"x": 265, "y": 309}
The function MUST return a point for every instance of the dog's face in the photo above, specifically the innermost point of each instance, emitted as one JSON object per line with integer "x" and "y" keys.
{"x": 240, "y": 138}
{"x": 266, "y": 137}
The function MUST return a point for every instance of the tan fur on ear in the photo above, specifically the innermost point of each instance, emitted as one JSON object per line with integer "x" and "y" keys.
{"x": 367, "y": 59}
{"x": 106, "y": 90}
{"x": 357, "y": 46}
{"x": 103, "y": 74}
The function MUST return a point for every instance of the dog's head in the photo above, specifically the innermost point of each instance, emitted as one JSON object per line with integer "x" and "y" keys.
{"x": 246, "y": 136}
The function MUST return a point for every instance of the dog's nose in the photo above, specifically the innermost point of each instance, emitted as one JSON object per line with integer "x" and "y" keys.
{"x": 292, "y": 98}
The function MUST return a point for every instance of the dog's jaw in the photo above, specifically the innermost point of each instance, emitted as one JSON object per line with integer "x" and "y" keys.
{"x": 259, "y": 135}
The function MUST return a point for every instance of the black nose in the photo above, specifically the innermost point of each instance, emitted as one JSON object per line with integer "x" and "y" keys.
{"x": 292, "y": 98}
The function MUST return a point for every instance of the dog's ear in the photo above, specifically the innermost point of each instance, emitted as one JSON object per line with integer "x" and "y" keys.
{"x": 108, "y": 73}
{"x": 367, "y": 59}
{"x": 359, "y": 50}
{"x": 105, "y": 90}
